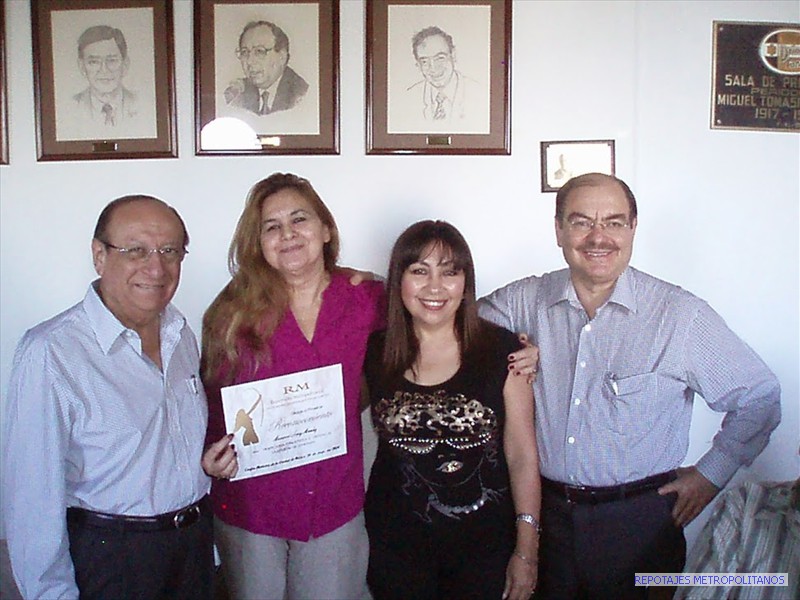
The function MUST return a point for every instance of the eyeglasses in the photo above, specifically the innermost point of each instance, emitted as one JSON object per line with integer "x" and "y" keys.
{"x": 256, "y": 52}
{"x": 138, "y": 254}
{"x": 95, "y": 63}
{"x": 583, "y": 226}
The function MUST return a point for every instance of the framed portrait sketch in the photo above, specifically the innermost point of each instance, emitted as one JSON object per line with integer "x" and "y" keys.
{"x": 3, "y": 90}
{"x": 562, "y": 161}
{"x": 438, "y": 76}
{"x": 104, "y": 79}
{"x": 266, "y": 76}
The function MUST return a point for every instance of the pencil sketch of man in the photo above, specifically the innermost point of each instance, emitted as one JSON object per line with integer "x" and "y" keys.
{"x": 269, "y": 84}
{"x": 444, "y": 92}
{"x": 563, "y": 172}
{"x": 103, "y": 60}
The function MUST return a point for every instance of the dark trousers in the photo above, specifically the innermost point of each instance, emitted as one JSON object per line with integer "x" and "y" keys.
{"x": 423, "y": 572}
{"x": 115, "y": 565}
{"x": 592, "y": 551}
{"x": 446, "y": 559}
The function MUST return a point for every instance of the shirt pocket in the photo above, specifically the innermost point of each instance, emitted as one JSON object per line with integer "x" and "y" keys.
{"x": 629, "y": 403}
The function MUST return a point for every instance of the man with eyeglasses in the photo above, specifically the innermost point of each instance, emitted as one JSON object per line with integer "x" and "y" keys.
{"x": 269, "y": 84}
{"x": 622, "y": 355}
{"x": 103, "y": 61}
{"x": 104, "y": 493}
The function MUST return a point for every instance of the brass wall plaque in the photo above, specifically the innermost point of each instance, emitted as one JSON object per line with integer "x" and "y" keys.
{"x": 756, "y": 77}
{"x": 104, "y": 146}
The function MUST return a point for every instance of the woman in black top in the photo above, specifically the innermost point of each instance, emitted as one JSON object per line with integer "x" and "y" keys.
{"x": 457, "y": 450}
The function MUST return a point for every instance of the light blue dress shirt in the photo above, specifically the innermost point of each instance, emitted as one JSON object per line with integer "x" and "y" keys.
{"x": 92, "y": 422}
{"x": 614, "y": 394}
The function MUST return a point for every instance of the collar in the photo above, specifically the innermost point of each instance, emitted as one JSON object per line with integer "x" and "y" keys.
{"x": 115, "y": 101}
{"x": 562, "y": 290}
{"x": 448, "y": 91}
{"x": 272, "y": 90}
{"x": 108, "y": 329}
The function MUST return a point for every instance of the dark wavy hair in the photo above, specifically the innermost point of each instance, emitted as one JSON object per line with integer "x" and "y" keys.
{"x": 431, "y": 31}
{"x": 99, "y": 33}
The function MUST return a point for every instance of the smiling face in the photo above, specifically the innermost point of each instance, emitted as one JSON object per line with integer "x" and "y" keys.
{"x": 292, "y": 234}
{"x": 103, "y": 66}
{"x": 137, "y": 291}
{"x": 435, "y": 60}
{"x": 265, "y": 70}
{"x": 432, "y": 288}
{"x": 598, "y": 257}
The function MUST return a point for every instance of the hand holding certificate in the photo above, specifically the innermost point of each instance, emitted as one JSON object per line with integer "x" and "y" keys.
{"x": 287, "y": 421}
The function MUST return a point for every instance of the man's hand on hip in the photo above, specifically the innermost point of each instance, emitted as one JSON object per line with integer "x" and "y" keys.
{"x": 694, "y": 493}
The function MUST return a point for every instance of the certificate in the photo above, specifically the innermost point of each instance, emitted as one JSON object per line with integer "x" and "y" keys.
{"x": 287, "y": 421}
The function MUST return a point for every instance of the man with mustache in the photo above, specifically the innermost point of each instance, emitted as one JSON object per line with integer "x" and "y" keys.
{"x": 622, "y": 355}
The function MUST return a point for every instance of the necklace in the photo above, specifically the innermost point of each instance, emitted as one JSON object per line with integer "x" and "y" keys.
{"x": 454, "y": 511}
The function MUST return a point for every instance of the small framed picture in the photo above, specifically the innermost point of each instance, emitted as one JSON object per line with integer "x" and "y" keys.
{"x": 3, "y": 90}
{"x": 104, "y": 79}
{"x": 563, "y": 160}
{"x": 438, "y": 76}
{"x": 266, "y": 76}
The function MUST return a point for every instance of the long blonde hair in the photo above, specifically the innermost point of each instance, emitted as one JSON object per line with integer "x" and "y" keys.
{"x": 246, "y": 312}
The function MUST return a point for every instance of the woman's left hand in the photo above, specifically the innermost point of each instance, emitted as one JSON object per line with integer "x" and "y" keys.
{"x": 525, "y": 361}
{"x": 521, "y": 577}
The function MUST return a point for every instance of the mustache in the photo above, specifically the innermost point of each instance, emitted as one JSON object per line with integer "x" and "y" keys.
{"x": 598, "y": 246}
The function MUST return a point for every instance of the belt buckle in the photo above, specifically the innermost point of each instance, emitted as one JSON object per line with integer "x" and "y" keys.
{"x": 182, "y": 516}
{"x": 572, "y": 492}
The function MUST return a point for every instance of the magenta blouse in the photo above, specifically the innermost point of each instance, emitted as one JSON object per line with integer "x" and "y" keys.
{"x": 312, "y": 500}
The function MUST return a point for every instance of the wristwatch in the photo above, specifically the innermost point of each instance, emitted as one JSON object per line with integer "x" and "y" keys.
{"x": 531, "y": 520}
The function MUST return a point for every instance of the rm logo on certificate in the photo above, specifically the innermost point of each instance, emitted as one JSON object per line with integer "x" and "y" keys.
{"x": 287, "y": 421}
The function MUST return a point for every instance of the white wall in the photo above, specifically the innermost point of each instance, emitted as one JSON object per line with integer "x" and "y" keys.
{"x": 718, "y": 209}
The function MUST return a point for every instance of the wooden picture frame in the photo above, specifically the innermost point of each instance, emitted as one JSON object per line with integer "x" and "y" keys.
{"x": 3, "y": 89}
{"x": 104, "y": 79}
{"x": 438, "y": 76}
{"x": 563, "y": 160}
{"x": 253, "y": 99}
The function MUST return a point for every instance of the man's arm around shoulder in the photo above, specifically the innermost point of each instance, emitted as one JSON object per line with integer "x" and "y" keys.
{"x": 512, "y": 305}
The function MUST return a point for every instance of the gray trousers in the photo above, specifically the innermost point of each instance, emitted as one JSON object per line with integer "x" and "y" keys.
{"x": 262, "y": 567}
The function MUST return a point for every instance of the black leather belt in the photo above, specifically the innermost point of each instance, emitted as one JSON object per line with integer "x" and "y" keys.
{"x": 178, "y": 519}
{"x": 581, "y": 494}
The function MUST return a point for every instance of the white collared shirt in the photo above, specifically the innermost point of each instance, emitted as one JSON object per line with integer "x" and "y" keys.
{"x": 92, "y": 422}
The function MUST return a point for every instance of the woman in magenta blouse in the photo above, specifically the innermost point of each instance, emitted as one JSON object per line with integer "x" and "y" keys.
{"x": 297, "y": 533}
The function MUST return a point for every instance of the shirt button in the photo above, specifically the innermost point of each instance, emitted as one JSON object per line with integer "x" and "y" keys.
{"x": 571, "y": 440}
{"x": 577, "y": 401}
{"x": 583, "y": 364}
{"x": 587, "y": 327}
